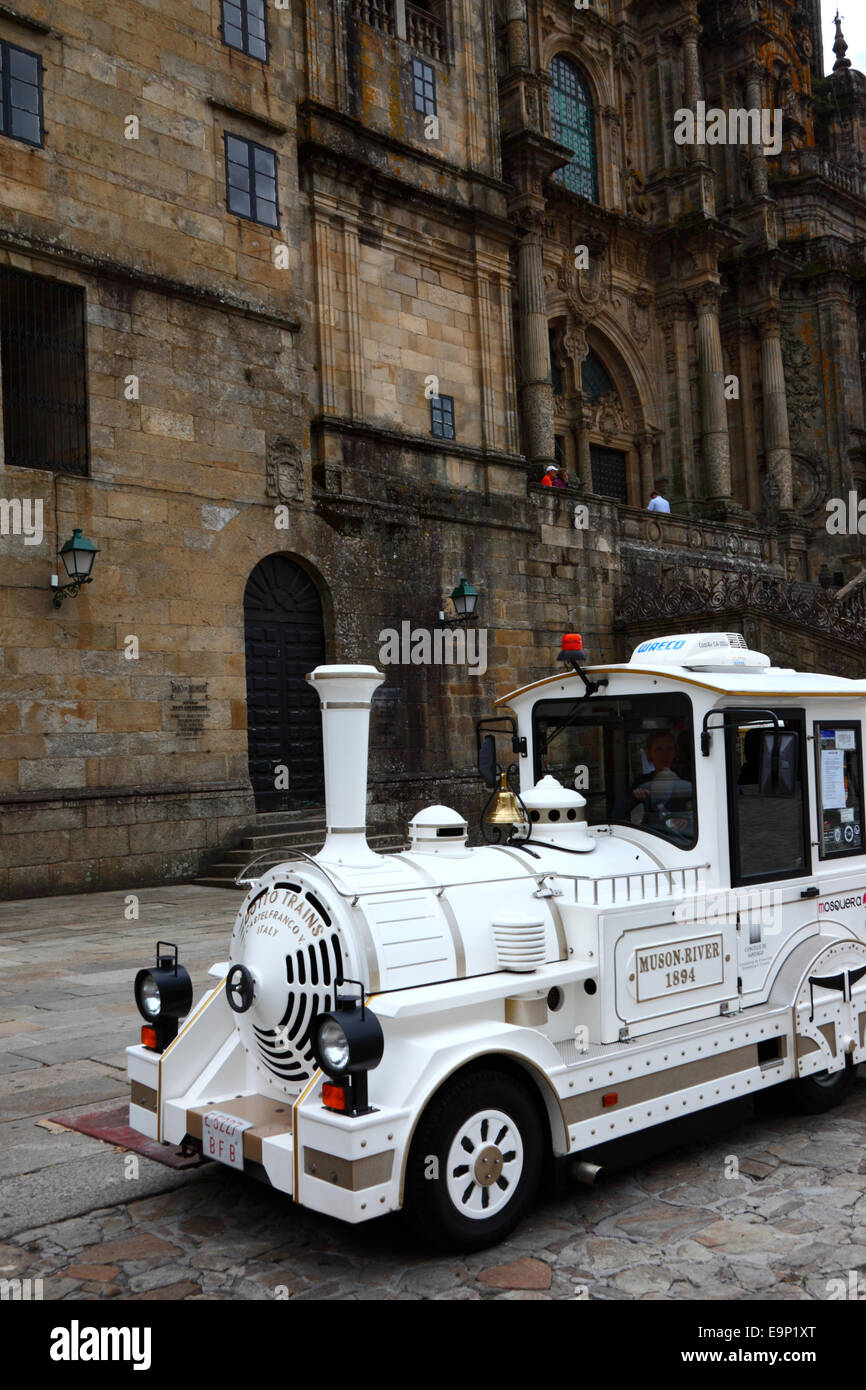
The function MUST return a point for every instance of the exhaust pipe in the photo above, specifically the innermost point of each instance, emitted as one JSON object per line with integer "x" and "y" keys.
{"x": 345, "y": 695}
{"x": 584, "y": 1172}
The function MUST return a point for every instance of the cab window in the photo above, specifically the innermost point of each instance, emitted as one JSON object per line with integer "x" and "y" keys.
{"x": 767, "y": 821}
{"x": 632, "y": 758}
{"x": 838, "y": 763}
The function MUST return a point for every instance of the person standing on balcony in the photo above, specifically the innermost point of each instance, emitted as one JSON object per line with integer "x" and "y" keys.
{"x": 657, "y": 503}
{"x": 555, "y": 476}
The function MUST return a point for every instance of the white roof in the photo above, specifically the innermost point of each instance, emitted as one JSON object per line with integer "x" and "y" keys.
{"x": 716, "y": 661}
{"x": 774, "y": 681}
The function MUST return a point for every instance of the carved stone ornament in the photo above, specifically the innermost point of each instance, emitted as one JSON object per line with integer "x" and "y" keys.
{"x": 583, "y": 287}
{"x": 801, "y": 385}
{"x": 284, "y": 470}
{"x": 639, "y": 315}
{"x": 610, "y": 418}
{"x": 635, "y": 201}
{"x": 810, "y": 485}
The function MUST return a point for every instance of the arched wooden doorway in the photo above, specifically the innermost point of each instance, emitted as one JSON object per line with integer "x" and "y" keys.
{"x": 284, "y": 638}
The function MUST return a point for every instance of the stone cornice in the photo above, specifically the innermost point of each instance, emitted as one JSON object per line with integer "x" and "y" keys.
{"x": 22, "y": 243}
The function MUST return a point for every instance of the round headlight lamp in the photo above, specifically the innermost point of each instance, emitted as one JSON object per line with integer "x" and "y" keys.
{"x": 349, "y": 1040}
{"x": 165, "y": 990}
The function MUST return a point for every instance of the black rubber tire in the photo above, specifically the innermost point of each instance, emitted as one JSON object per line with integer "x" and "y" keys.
{"x": 427, "y": 1205}
{"x": 811, "y": 1095}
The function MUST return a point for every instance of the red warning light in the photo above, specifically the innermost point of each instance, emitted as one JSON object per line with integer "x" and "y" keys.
{"x": 572, "y": 642}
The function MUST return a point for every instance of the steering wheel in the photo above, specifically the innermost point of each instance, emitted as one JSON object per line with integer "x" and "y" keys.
{"x": 240, "y": 989}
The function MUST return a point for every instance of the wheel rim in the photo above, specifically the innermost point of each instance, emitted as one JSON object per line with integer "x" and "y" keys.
{"x": 485, "y": 1163}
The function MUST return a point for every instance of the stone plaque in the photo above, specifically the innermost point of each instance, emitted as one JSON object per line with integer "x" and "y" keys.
{"x": 189, "y": 706}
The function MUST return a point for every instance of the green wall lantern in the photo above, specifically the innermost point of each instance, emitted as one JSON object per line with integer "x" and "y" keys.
{"x": 78, "y": 555}
{"x": 465, "y": 600}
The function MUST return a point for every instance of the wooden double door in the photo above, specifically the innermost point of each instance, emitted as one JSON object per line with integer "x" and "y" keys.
{"x": 284, "y": 638}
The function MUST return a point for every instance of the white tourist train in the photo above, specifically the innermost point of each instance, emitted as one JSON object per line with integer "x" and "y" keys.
{"x": 430, "y": 1030}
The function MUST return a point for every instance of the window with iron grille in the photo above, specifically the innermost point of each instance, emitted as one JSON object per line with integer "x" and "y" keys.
{"x": 21, "y": 94}
{"x": 442, "y": 417}
{"x": 251, "y": 181}
{"x": 245, "y": 27}
{"x": 573, "y": 124}
{"x": 424, "y": 86}
{"x": 44, "y": 373}
{"x": 608, "y": 472}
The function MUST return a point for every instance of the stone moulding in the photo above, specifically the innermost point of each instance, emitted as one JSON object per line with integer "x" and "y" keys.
{"x": 102, "y": 266}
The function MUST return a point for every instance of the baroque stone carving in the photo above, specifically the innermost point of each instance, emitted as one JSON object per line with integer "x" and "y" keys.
{"x": 284, "y": 470}
{"x": 609, "y": 416}
{"x": 639, "y": 314}
{"x": 801, "y": 387}
{"x": 809, "y": 607}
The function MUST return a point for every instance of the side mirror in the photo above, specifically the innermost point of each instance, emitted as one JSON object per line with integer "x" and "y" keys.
{"x": 487, "y": 761}
{"x": 780, "y": 753}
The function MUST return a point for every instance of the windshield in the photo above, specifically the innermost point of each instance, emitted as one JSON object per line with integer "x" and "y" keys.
{"x": 632, "y": 758}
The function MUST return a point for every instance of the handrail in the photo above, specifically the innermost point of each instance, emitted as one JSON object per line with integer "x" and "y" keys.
{"x": 538, "y": 878}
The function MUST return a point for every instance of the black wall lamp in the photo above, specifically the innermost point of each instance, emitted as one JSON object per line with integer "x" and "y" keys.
{"x": 78, "y": 555}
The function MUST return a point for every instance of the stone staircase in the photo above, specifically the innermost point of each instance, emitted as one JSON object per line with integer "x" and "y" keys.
{"x": 277, "y": 836}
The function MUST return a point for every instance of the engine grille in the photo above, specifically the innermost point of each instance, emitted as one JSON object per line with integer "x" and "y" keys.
{"x": 311, "y": 973}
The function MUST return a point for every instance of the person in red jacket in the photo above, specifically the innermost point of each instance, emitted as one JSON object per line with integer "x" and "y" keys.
{"x": 555, "y": 476}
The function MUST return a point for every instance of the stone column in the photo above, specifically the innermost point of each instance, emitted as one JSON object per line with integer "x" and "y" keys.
{"x": 747, "y": 419}
{"x": 647, "y": 472}
{"x": 777, "y": 443}
{"x": 758, "y": 163}
{"x": 689, "y": 31}
{"x": 584, "y": 462}
{"x": 715, "y": 440}
{"x": 518, "y": 34}
{"x": 536, "y": 389}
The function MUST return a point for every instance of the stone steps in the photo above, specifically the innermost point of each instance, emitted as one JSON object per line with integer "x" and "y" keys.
{"x": 279, "y": 836}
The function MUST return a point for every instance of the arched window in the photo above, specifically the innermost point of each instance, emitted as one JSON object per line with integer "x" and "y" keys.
{"x": 595, "y": 380}
{"x": 574, "y": 126}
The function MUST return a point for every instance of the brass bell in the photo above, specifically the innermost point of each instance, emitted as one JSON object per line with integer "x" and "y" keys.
{"x": 506, "y": 808}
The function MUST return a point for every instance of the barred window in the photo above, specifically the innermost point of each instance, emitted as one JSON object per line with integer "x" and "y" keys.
{"x": 424, "y": 86}
{"x": 442, "y": 417}
{"x": 609, "y": 477}
{"x": 245, "y": 27}
{"x": 251, "y": 181}
{"x": 21, "y": 94}
{"x": 573, "y": 124}
{"x": 44, "y": 373}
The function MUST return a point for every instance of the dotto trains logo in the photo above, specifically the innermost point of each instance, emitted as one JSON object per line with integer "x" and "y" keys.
{"x": 841, "y": 904}
{"x": 280, "y": 908}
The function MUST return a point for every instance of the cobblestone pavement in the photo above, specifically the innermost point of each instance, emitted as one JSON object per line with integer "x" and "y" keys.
{"x": 667, "y": 1225}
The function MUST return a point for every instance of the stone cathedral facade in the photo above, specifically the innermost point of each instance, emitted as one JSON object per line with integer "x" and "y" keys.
{"x": 299, "y": 300}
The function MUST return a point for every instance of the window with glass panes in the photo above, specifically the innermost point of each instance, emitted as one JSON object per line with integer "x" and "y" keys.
{"x": 442, "y": 417}
{"x": 21, "y": 94}
{"x": 251, "y": 181}
{"x": 573, "y": 124}
{"x": 245, "y": 27}
{"x": 424, "y": 86}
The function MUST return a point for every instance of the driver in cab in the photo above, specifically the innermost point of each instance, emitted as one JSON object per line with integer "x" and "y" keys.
{"x": 661, "y": 798}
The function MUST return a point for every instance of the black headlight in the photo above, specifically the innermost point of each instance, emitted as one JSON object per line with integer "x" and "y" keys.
{"x": 163, "y": 993}
{"x": 347, "y": 1043}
